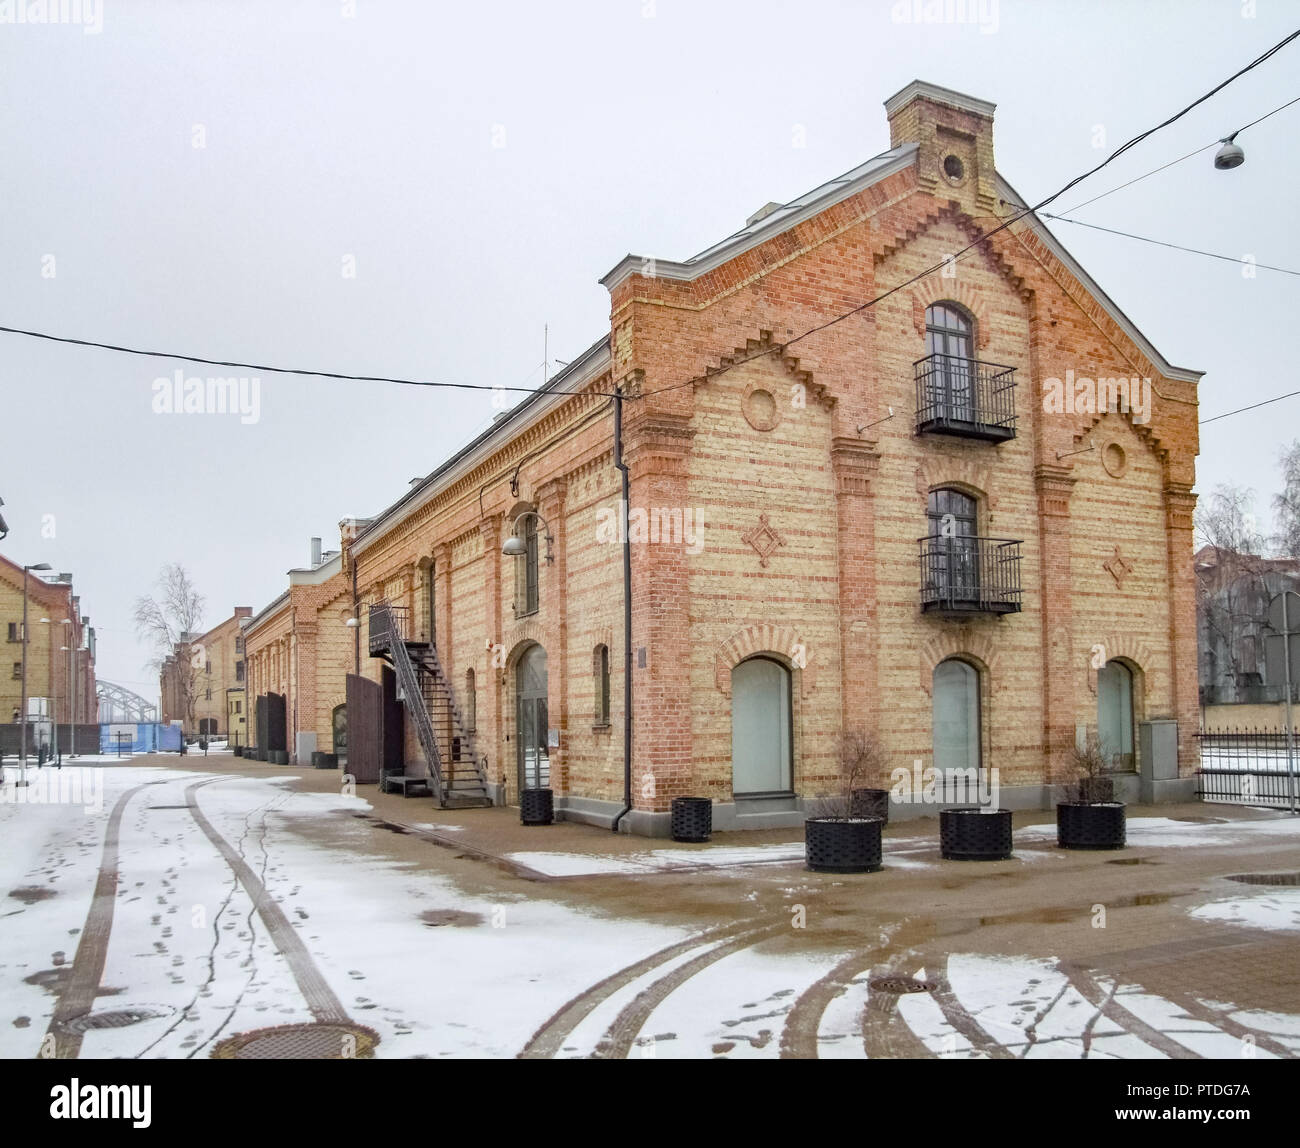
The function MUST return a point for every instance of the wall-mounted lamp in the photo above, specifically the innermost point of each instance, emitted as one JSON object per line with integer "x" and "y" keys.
{"x": 516, "y": 547}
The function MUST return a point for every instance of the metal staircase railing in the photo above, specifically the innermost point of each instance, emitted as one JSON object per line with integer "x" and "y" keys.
{"x": 449, "y": 750}
{"x": 384, "y": 620}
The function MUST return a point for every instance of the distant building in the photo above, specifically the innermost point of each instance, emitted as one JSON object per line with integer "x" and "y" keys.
{"x": 216, "y": 659}
{"x": 1233, "y": 591}
{"x": 60, "y": 654}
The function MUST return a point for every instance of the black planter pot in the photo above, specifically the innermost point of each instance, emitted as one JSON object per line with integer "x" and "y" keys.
{"x": 250, "y": 752}
{"x": 239, "y": 751}
{"x": 322, "y": 760}
{"x": 842, "y": 846}
{"x": 1097, "y": 825}
{"x": 869, "y": 803}
{"x": 279, "y": 757}
{"x": 692, "y": 819}
{"x": 536, "y": 807}
{"x": 969, "y": 833}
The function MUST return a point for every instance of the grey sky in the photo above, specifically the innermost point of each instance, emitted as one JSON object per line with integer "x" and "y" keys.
{"x": 629, "y": 125}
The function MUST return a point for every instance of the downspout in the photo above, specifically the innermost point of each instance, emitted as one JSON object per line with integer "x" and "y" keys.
{"x": 621, "y": 466}
{"x": 356, "y": 612}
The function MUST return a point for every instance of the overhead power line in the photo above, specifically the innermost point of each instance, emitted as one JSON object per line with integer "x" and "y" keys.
{"x": 1253, "y": 406}
{"x": 1175, "y": 246}
{"x": 780, "y": 347}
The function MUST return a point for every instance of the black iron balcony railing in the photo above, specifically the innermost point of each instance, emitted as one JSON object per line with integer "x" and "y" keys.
{"x": 966, "y": 397}
{"x": 969, "y": 575}
{"x": 388, "y": 626}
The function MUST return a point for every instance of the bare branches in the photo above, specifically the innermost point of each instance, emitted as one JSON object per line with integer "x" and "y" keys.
{"x": 861, "y": 760}
{"x": 1286, "y": 504}
{"x": 169, "y": 625}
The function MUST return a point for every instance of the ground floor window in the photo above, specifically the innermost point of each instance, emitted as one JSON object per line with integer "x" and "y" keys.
{"x": 760, "y": 727}
{"x": 1115, "y": 715}
{"x": 956, "y": 715}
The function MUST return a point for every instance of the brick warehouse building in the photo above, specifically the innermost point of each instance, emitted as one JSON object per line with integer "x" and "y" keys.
{"x": 913, "y": 521}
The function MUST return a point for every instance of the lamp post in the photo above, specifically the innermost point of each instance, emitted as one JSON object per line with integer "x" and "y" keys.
{"x": 22, "y": 714}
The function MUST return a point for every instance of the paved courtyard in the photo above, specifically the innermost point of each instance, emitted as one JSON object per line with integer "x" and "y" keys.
{"x": 178, "y": 907}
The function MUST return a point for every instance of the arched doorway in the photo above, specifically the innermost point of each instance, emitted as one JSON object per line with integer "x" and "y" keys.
{"x": 760, "y": 728}
{"x": 339, "y": 728}
{"x": 531, "y": 719}
{"x": 1115, "y": 715}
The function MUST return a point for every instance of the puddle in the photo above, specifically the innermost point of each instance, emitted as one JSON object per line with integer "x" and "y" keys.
{"x": 30, "y": 894}
{"x": 1254, "y": 878}
{"x": 1133, "y": 861}
{"x": 436, "y": 917}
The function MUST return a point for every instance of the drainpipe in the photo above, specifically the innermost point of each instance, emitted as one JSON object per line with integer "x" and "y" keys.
{"x": 627, "y": 613}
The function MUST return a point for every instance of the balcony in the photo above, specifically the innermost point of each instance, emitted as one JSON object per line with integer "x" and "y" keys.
{"x": 961, "y": 576}
{"x": 965, "y": 397}
{"x": 388, "y": 625}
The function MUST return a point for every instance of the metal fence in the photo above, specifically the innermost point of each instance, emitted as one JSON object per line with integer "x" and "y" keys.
{"x": 1248, "y": 767}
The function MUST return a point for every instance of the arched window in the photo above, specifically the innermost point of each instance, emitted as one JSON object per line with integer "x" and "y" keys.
{"x": 951, "y": 556}
{"x": 955, "y": 693}
{"x": 1115, "y": 715}
{"x": 950, "y": 392}
{"x": 601, "y": 669}
{"x": 471, "y": 702}
{"x": 526, "y": 582}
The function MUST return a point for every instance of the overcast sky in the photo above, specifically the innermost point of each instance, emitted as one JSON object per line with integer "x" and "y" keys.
{"x": 482, "y": 165}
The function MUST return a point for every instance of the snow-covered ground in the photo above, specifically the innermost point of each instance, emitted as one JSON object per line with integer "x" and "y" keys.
{"x": 439, "y": 971}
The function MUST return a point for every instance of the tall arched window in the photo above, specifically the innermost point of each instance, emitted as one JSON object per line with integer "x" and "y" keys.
{"x": 526, "y": 581}
{"x": 601, "y": 668}
{"x": 948, "y": 342}
{"x": 955, "y": 693}
{"x": 951, "y": 558}
{"x": 760, "y": 727}
{"x": 471, "y": 702}
{"x": 1115, "y": 714}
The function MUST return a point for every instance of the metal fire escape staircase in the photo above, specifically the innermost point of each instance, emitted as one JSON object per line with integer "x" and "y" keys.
{"x": 455, "y": 776}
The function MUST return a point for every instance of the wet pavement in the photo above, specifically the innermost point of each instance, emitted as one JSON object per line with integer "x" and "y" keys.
{"x": 223, "y": 907}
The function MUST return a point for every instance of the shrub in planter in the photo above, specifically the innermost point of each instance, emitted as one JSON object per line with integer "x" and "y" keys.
{"x": 869, "y": 803}
{"x": 1089, "y": 817}
{"x": 536, "y": 807}
{"x": 842, "y": 831}
{"x": 692, "y": 819}
{"x": 969, "y": 833}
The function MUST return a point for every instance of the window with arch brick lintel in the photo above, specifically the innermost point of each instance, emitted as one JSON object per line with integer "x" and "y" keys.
{"x": 956, "y": 392}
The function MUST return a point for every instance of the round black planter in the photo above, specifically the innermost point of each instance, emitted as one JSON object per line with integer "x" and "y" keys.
{"x": 842, "y": 846}
{"x": 969, "y": 833}
{"x": 692, "y": 818}
{"x": 869, "y": 803}
{"x": 279, "y": 757}
{"x": 250, "y": 752}
{"x": 326, "y": 760}
{"x": 1097, "y": 825}
{"x": 536, "y": 807}
{"x": 239, "y": 751}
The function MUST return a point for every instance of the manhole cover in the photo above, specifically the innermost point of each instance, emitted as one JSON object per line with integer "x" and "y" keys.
{"x": 900, "y": 985}
{"x": 323, "y": 1041}
{"x": 1266, "y": 878}
{"x": 116, "y": 1018}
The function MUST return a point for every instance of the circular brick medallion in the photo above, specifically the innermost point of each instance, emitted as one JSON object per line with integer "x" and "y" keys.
{"x": 759, "y": 409}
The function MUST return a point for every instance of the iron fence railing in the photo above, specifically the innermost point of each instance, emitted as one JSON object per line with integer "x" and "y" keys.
{"x": 1248, "y": 767}
{"x": 965, "y": 396}
{"x": 388, "y": 625}
{"x": 970, "y": 575}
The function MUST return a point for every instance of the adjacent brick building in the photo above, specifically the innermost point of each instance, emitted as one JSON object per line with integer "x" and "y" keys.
{"x": 216, "y": 660}
{"x": 60, "y": 654}
{"x": 911, "y": 518}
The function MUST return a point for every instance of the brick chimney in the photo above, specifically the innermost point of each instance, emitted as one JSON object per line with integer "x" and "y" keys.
{"x": 955, "y": 135}
{"x": 243, "y": 611}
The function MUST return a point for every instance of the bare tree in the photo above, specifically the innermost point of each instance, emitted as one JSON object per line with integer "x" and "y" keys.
{"x": 1229, "y": 582}
{"x": 1286, "y": 504}
{"x": 861, "y": 759}
{"x": 170, "y": 623}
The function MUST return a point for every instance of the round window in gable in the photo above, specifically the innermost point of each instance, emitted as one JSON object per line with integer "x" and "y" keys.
{"x": 1114, "y": 460}
{"x": 954, "y": 169}
{"x": 759, "y": 409}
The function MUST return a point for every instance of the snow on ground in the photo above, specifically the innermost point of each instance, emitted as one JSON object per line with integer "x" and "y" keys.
{"x": 1276, "y": 908}
{"x": 1156, "y": 831}
{"x": 438, "y": 970}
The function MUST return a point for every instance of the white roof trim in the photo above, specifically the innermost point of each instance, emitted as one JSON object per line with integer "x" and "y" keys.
{"x": 1183, "y": 374}
{"x": 789, "y": 215}
{"x": 920, "y": 89}
{"x": 591, "y": 364}
{"x": 267, "y": 613}
{"x": 316, "y": 576}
